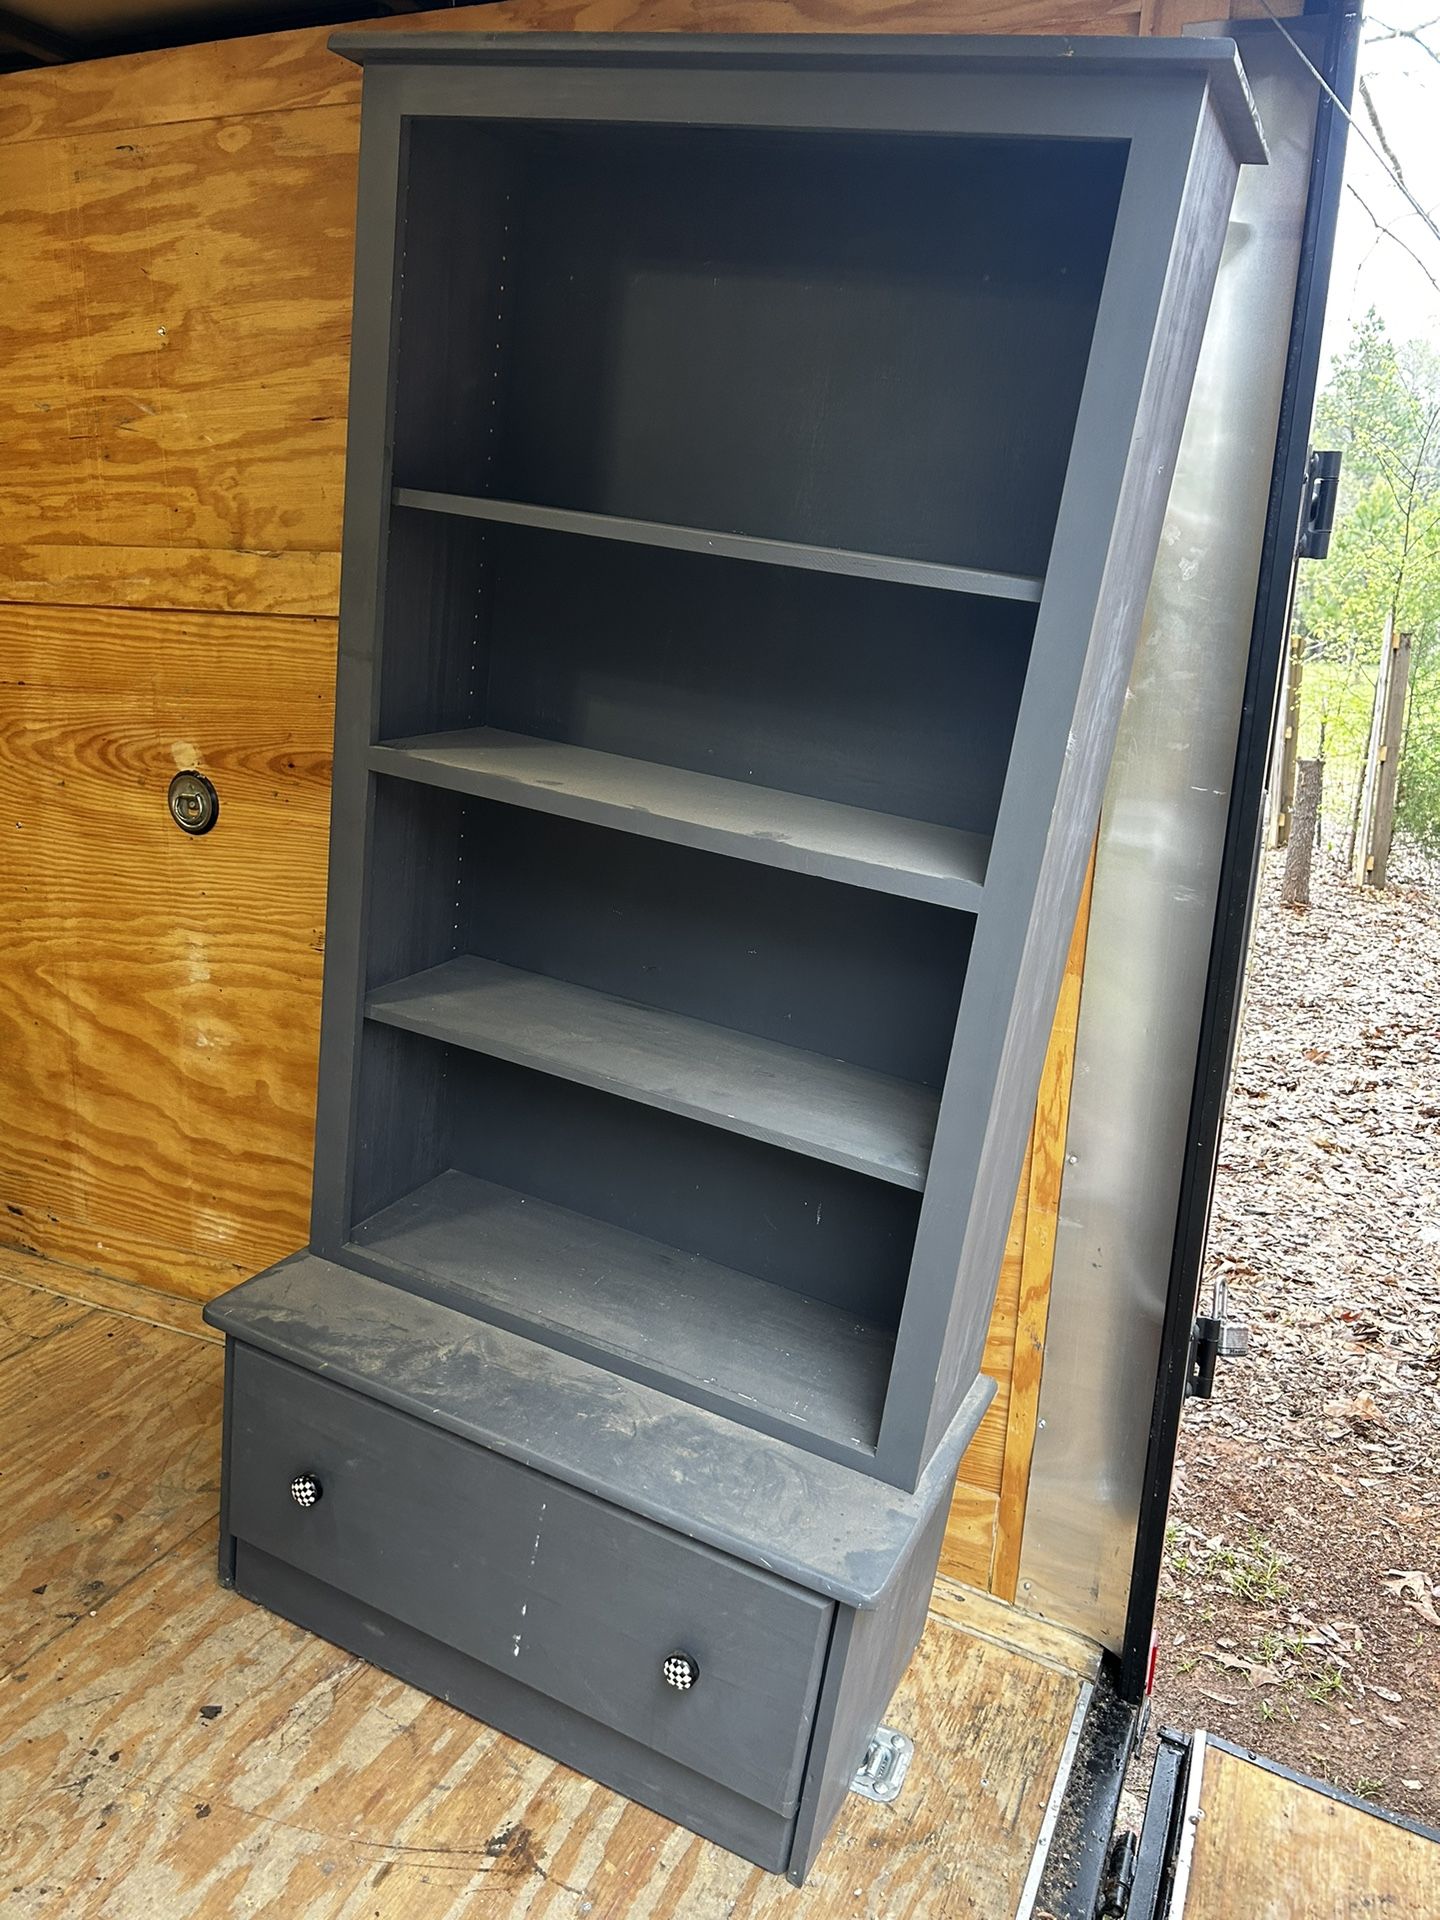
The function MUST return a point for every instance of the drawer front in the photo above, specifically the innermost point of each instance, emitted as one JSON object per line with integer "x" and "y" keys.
{"x": 554, "y": 1588}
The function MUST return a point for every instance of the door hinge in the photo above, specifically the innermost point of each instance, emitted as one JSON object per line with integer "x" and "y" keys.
{"x": 1317, "y": 518}
{"x": 1214, "y": 1336}
{"x": 1119, "y": 1881}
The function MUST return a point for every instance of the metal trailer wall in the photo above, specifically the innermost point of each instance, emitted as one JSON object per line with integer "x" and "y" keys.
{"x": 1152, "y": 920}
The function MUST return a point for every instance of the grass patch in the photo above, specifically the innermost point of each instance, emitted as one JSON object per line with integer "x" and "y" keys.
{"x": 1273, "y": 1647}
{"x": 1250, "y": 1569}
{"x": 1326, "y": 1685}
{"x": 1175, "y": 1553}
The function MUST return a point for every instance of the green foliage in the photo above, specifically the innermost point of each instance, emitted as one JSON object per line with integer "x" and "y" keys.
{"x": 1377, "y": 405}
{"x": 1336, "y": 697}
{"x": 1418, "y": 810}
{"x": 1382, "y": 408}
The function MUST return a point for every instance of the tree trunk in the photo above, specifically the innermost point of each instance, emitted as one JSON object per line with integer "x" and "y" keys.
{"x": 1295, "y": 885}
{"x": 1283, "y": 794}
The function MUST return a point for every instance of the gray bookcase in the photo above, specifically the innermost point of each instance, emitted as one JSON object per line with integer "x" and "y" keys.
{"x": 757, "y": 453}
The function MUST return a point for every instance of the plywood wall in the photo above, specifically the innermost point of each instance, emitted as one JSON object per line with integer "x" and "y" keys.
{"x": 174, "y": 325}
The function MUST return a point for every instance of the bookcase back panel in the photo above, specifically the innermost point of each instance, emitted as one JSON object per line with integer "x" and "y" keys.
{"x": 798, "y": 1223}
{"x": 869, "y": 342}
{"x": 840, "y": 971}
{"x": 890, "y": 697}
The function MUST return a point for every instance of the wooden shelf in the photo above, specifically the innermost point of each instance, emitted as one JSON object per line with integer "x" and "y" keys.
{"x": 786, "y": 1096}
{"x": 914, "y": 858}
{"x": 724, "y": 1339}
{"x": 733, "y": 546}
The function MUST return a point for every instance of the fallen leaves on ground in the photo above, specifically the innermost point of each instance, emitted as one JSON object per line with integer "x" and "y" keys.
{"x": 1303, "y": 1548}
{"x": 1416, "y": 1591}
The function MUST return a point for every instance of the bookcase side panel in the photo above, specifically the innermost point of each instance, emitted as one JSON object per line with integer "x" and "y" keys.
{"x": 1178, "y": 185}
{"x": 367, "y": 488}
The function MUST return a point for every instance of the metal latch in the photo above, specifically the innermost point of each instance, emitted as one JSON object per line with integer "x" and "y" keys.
{"x": 882, "y": 1772}
{"x": 1317, "y": 521}
{"x": 1215, "y": 1336}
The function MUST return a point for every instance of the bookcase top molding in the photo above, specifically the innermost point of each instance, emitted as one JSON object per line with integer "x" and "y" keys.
{"x": 990, "y": 56}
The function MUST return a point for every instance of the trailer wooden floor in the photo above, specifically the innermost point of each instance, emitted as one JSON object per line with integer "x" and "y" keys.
{"x": 1272, "y": 1847}
{"x": 170, "y": 1751}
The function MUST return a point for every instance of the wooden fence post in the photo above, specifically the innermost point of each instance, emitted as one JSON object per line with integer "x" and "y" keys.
{"x": 1382, "y": 765}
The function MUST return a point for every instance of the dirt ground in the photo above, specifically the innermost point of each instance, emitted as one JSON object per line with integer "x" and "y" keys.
{"x": 1300, "y": 1610}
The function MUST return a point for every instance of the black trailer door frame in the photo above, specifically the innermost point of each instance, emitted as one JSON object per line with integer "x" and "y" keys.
{"x": 1082, "y": 1846}
{"x": 1240, "y": 862}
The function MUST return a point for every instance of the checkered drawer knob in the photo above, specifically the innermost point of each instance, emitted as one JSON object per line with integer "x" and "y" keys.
{"x": 305, "y": 1490}
{"x": 681, "y": 1671}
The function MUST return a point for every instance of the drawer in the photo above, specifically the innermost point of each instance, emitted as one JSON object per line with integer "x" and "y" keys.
{"x": 556, "y": 1589}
